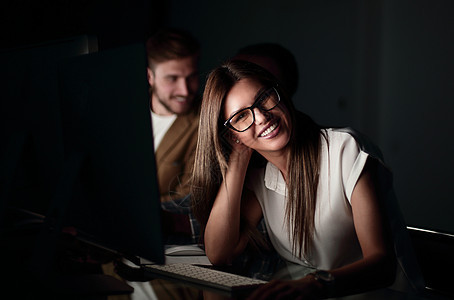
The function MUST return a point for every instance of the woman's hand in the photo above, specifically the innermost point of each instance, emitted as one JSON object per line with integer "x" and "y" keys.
{"x": 304, "y": 288}
{"x": 239, "y": 150}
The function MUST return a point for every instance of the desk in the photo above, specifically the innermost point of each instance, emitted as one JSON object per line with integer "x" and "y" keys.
{"x": 170, "y": 289}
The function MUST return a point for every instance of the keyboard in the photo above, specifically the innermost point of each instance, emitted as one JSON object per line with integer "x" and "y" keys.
{"x": 204, "y": 276}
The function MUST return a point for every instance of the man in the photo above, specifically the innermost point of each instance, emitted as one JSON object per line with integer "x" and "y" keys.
{"x": 174, "y": 81}
{"x": 172, "y": 73}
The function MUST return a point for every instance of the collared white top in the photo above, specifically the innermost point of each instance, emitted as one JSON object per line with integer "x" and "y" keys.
{"x": 335, "y": 241}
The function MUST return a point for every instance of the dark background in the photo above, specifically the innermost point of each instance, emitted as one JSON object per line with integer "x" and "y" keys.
{"x": 384, "y": 67}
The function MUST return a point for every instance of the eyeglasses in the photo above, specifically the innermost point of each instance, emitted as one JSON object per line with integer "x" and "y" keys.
{"x": 243, "y": 119}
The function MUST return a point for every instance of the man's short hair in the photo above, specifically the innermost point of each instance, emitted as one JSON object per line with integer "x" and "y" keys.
{"x": 171, "y": 43}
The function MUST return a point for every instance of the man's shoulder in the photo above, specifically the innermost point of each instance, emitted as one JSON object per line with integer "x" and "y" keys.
{"x": 190, "y": 119}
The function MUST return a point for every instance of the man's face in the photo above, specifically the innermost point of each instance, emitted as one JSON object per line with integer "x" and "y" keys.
{"x": 174, "y": 86}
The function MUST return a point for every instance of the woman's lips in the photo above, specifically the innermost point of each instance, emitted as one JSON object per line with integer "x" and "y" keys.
{"x": 269, "y": 130}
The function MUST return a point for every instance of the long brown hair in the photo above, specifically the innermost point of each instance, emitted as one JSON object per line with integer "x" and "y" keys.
{"x": 213, "y": 149}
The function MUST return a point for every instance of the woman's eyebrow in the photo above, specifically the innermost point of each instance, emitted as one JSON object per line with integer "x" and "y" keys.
{"x": 256, "y": 97}
{"x": 259, "y": 93}
{"x": 234, "y": 112}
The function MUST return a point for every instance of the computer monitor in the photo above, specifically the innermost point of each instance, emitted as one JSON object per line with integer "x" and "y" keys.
{"x": 109, "y": 189}
{"x": 31, "y": 151}
{"x": 31, "y": 146}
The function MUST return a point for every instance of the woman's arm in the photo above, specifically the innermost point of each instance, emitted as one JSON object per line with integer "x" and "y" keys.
{"x": 378, "y": 266}
{"x": 223, "y": 238}
{"x": 375, "y": 270}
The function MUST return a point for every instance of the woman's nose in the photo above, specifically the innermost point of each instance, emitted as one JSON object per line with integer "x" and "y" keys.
{"x": 260, "y": 116}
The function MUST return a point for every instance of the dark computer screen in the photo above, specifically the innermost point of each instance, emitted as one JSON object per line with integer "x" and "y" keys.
{"x": 76, "y": 152}
{"x": 109, "y": 191}
{"x": 31, "y": 151}
{"x": 31, "y": 147}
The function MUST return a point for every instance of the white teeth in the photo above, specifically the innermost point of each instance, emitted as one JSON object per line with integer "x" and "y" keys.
{"x": 269, "y": 130}
{"x": 180, "y": 99}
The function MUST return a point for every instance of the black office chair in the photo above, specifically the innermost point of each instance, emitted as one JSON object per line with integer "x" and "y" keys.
{"x": 435, "y": 253}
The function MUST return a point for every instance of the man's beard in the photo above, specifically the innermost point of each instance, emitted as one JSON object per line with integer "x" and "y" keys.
{"x": 165, "y": 104}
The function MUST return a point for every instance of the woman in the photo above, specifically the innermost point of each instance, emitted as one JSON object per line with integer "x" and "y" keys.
{"x": 315, "y": 190}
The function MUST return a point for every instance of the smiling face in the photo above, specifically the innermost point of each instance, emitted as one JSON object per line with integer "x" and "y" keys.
{"x": 174, "y": 86}
{"x": 271, "y": 130}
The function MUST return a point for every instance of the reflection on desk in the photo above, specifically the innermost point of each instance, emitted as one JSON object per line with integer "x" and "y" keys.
{"x": 169, "y": 288}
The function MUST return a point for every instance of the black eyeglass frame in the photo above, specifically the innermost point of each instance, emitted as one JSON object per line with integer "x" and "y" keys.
{"x": 257, "y": 103}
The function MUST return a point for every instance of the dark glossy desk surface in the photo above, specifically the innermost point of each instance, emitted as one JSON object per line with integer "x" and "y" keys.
{"x": 171, "y": 290}
{"x": 166, "y": 289}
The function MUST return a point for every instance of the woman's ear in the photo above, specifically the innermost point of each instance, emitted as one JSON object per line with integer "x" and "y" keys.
{"x": 235, "y": 138}
{"x": 232, "y": 135}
